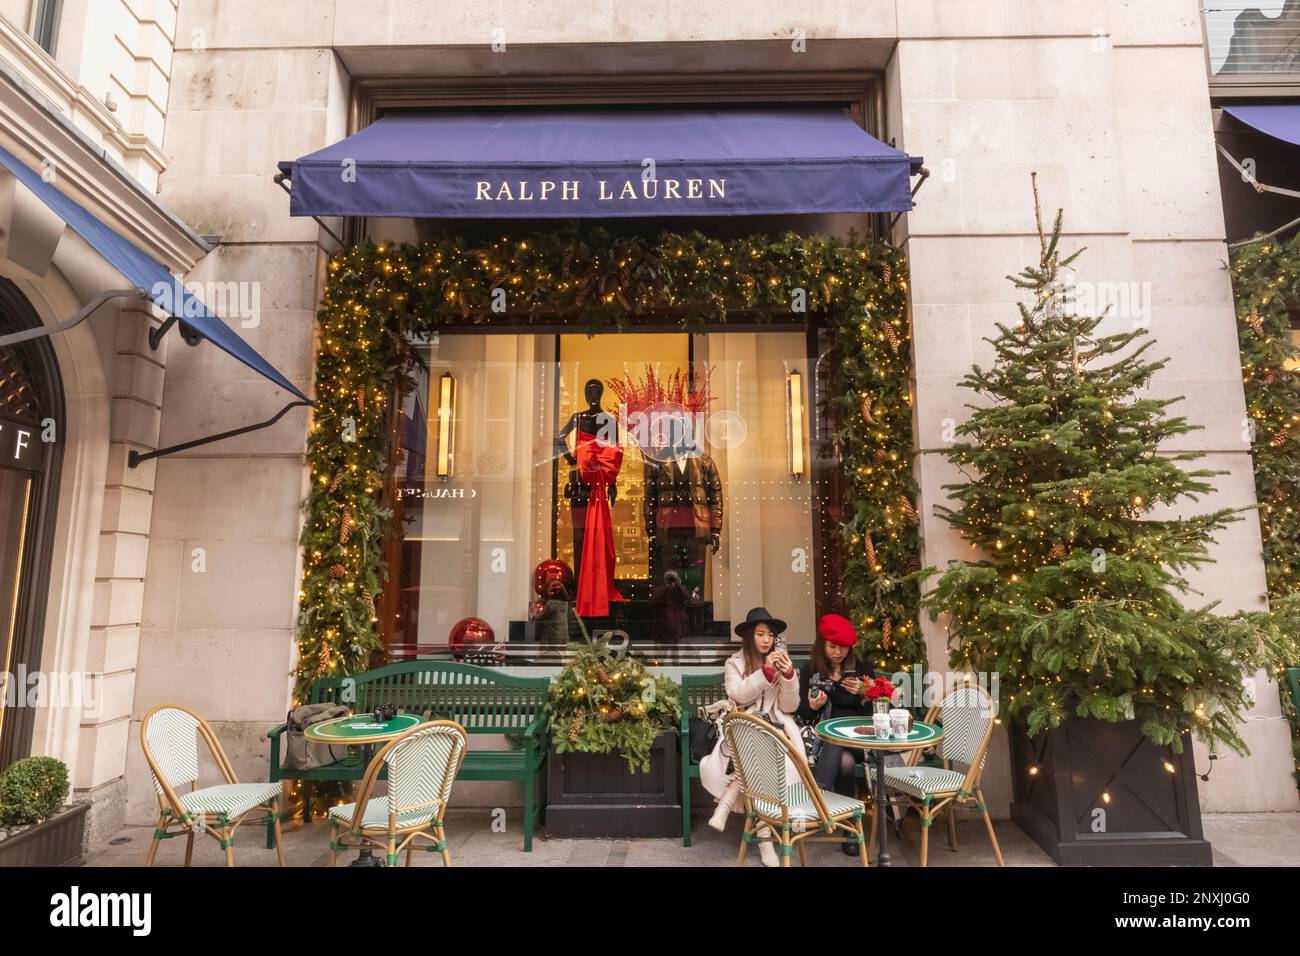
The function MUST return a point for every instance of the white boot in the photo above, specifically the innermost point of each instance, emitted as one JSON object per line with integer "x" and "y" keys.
{"x": 766, "y": 849}
{"x": 728, "y": 799}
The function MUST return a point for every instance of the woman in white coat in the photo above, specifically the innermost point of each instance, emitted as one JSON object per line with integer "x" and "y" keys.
{"x": 761, "y": 680}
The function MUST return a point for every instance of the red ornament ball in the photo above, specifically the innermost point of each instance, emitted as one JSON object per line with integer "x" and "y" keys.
{"x": 553, "y": 579}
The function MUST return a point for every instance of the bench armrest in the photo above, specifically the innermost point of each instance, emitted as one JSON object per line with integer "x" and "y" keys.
{"x": 535, "y": 728}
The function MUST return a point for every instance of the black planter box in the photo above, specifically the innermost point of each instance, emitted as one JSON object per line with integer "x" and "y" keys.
{"x": 53, "y": 842}
{"x": 593, "y": 795}
{"x": 1153, "y": 817}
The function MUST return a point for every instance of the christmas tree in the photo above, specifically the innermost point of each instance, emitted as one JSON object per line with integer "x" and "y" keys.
{"x": 1086, "y": 534}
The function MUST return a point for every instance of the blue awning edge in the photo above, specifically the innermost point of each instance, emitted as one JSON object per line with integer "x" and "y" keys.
{"x": 1279, "y": 120}
{"x": 545, "y": 164}
{"x": 147, "y": 273}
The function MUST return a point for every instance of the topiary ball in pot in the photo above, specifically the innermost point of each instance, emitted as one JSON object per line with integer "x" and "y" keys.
{"x": 32, "y": 790}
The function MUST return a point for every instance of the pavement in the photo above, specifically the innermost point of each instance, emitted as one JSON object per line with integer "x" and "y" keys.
{"x": 486, "y": 837}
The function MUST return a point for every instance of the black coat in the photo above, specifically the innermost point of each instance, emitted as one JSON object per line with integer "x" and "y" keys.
{"x": 839, "y": 701}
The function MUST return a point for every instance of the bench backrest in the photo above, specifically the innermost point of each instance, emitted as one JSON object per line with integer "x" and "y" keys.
{"x": 700, "y": 690}
{"x": 478, "y": 698}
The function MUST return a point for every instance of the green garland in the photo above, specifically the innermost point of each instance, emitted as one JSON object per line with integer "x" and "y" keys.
{"x": 603, "y": 702}
{"x": 377, "y": 295}
{"x": 1266, "y": 285}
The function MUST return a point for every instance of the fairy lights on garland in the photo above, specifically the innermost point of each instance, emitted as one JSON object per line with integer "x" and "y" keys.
{"x": 376, "y": 296}
{"x": 1266, "y": 284}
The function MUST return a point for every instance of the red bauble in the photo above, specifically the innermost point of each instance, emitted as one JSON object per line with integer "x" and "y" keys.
{"x": 471, "y": 631}
{"x": 553, "y": 579}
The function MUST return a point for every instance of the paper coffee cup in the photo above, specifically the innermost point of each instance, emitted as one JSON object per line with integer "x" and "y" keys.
{"x": 899, "y": 721}
{"x": 882, "y": 725}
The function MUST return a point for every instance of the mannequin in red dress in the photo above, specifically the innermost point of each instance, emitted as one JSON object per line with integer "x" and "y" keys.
{"x": 596, "y": 459}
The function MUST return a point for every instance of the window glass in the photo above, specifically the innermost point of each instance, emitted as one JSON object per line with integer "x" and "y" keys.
{"x": 1253, "y": 36}
{"x": 661, "y": 482}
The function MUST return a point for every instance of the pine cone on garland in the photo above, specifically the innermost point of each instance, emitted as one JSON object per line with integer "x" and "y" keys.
{"x": 1255, "y": 322}
{"x": 881, "y": 457}
{"x": 576, "y": 727}
{"x": 614, "y": 713}
{"x": 322, "y": 659}
{"x": 336, "y": 483}
{"x": 886, "y": 272}
{"x": 369, "y": 600}
{"x": 905, "y": 504}
{"x": 602, "y": 675}
{"x": 871, "y": 553}
{"x": 867, "y": 401}
{"x": 337, "y": 571}
{"x": 361, "y": 399}
{"x": 345, "y": 527}
{"x": 1057, "y": 553}
{"x": 891, "y": 337}
{"x": 886, "y": 633}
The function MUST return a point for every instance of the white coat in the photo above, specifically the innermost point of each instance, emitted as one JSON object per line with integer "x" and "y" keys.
{"x": 755, "y": 694}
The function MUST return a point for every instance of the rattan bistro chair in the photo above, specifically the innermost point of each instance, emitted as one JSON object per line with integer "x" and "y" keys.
{"x": 422, "y": 765}
{"x": 170, "y": 736}
{"x": 780, "y": 792}
{"x": 967, "y": 718}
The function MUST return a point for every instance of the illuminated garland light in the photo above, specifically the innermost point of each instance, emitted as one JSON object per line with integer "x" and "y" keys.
{"x": 376, "y": 296}
{"x": 1266, "y": 285}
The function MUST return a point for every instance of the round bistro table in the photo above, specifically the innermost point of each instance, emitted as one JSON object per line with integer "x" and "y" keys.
{"x": 846, "y": 732}
{"x": 361, "y": 730}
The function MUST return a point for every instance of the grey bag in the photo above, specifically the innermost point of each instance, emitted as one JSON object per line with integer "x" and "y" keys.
{"x": 298, "y": 753}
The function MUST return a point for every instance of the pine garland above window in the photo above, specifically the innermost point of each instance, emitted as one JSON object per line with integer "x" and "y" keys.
{"x": 377, "y": 296}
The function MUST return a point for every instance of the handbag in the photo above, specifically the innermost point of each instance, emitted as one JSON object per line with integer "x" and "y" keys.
{"x": 703, "y": 738}
{"x": 298, "y": 753}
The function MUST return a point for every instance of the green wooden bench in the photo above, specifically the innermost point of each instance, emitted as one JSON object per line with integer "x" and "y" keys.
{"x": 481, "y": 700}
{"x": 698, "y": 690}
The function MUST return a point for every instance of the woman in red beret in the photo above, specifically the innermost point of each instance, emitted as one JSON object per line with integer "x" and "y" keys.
{"x": 832, "y": 684}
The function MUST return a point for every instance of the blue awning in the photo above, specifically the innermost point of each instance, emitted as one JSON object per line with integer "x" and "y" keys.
{"x": 142, "y": 270}
{"x": 1281, "y": 120}
{"x": 604, "y": 163}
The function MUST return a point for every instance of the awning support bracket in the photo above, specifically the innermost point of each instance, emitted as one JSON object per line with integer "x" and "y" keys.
{"x": 280, "y": 181}
{"x": 1249, "y": 177}
{"x": 924, "y": 173}
{"x": 135, "y": 458}
{"x": 27, "y": 334}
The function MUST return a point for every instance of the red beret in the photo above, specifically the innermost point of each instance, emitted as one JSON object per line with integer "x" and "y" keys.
{"x": 836, "y": 629}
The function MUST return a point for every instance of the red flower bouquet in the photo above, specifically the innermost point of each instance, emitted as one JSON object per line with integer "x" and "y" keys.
{"x": 881, "y": 688}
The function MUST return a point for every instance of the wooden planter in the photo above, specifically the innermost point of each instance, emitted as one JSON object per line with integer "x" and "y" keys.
{"x": 1153, "y": 817}
{"x": 53, "y": 842}
{"x": 593, "y": 795}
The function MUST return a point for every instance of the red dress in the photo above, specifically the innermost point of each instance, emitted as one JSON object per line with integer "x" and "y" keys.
{"x": 598, "y": 465}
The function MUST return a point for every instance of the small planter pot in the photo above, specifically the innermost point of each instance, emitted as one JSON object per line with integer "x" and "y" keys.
{"x": 53, "y": 842}
{"x": 1096, "y": 793}
{"x": 594, "y": 796}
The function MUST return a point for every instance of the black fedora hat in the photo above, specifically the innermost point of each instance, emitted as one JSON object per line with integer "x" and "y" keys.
{"x": 757, "y": 616}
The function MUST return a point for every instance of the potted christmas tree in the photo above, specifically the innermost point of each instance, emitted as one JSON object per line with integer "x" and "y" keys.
{"x": 612, "y": 771}
{"x": 1077, "y": 600}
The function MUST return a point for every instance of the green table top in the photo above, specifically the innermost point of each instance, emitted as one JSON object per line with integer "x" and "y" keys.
{"x": 360, "y": 729}
{"x": 840, "y": 730}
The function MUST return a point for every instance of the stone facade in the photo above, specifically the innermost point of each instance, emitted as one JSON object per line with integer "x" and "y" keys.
{"x": 196, "y": 570}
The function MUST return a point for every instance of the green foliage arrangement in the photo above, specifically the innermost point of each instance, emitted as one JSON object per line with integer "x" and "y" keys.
{"x": 1266, "y": 285}
{"x": 32, "y": 790}
{"x": 1078, "y": 601}
{"x": 377, "y": 295}
{"x": 606, "y": 702}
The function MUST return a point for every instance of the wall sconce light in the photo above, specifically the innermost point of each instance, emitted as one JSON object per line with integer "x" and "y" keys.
{"x": 446, "y": 426}
{"x": 794, "y": 385}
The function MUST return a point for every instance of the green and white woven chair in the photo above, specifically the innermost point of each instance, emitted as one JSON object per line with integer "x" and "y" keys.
{"x": 422, "y": 765}
{"x": 780, "y": 792}
{"x": 967, "y": 718}
{"x": 170, "y": 736}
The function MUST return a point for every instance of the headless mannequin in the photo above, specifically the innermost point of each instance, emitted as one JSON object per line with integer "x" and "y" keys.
{"x": 593, "y": 420}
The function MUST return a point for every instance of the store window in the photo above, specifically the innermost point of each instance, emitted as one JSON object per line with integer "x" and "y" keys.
{"x": 30, "y": 411}
{"x": 38, "y": 18}
{"x": 654, "y": 484}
